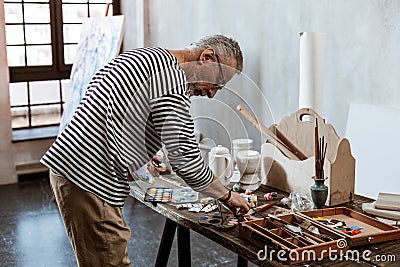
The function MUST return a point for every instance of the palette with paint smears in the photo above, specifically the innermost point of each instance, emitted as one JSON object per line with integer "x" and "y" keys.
{"x": 158, "y": 194}
{"x": 220, "y": 223}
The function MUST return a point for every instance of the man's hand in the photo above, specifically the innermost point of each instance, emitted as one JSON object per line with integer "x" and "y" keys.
{"x": 153, "y": 166}
{"x": 156, "y": 159}
{"x": 237, "y": 204}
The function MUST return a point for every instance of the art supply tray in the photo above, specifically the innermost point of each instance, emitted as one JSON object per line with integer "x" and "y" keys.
{"x": 276, "y": 233}
{"x": 373, "y": 231}
{"x": 276, "y": 237}
{"x": 263, "y": 210}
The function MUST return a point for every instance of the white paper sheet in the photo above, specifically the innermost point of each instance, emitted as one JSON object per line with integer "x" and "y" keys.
{"x": 373, "y": 133}
{"x": 312, "y": 60}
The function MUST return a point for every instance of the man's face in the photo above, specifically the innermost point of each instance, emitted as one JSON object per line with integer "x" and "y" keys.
{"x": 209, "y": 75}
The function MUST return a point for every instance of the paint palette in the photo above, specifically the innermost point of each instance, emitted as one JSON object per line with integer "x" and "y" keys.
{"x": 215, "y": 220}
{"x": 158, "y": 194}
{"x": 184, "y": 195}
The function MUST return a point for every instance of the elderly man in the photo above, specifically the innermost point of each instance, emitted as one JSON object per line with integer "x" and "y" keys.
{"x": 132, "y": 105}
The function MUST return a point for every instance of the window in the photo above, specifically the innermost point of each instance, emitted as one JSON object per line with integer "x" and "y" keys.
{"x": 41, "y": 38}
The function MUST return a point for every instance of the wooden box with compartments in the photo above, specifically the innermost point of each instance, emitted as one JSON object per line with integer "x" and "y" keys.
{"x": 280, "y": 171}
{"x": 313, "y": 235}
{"x": 372, "y": 230}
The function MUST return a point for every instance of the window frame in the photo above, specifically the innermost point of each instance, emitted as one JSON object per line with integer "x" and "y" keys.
{"x": 58, "y": 70}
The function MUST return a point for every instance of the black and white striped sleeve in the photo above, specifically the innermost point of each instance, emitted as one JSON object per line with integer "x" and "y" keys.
{"x": 174, "y": 124}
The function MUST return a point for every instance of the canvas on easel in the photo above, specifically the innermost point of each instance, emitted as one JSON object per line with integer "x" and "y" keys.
{"x": 99, "y": 43}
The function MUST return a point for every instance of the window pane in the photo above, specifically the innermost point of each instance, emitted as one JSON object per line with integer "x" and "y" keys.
{"x": 69, "y": 53}
{"x": 19, "y": 117}
{"x": 100, "y": 1}
{"x": 39, "y": 55}
{"x": 45, "y": 115}
{"x": 15, "y": 56}
{"x": 36, "y": 0}
{"x": 74, "y": 13}
{"x": 14, "y": 34}
{"x": 13, "y": 13}
{"x": 18, "y": 94}
{"x": 44, "y": 92}
{"x": 72, "y": 33}
{"x": 37, "y": 13}
{"x": 99, "y": 10}
{"x": 37, "y": 34}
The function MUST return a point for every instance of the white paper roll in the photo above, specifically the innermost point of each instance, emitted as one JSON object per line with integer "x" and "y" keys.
{"x": 312, "y": 60}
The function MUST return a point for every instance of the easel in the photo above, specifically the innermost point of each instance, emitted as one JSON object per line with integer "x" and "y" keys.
{"x": 107, "y": 9}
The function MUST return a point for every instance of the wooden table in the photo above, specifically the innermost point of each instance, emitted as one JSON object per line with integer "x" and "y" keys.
{"x": 184, "y": 221}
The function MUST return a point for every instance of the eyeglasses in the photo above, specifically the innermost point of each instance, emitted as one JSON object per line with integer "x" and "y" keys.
{"x": 222, "y": 85}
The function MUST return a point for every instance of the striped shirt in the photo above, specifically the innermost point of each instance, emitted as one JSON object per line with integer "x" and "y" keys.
{"x": 132, "y": 105}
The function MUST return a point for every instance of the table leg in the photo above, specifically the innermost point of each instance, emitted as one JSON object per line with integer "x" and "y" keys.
{"x": 241, "y": 262}
{"x": 166, "y": 243}
{"x": 184, "y": 256}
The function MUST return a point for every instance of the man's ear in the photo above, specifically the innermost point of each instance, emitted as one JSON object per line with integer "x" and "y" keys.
{"x": 207, "y": 55}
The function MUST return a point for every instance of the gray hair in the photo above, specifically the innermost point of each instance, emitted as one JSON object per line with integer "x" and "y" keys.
{"x": 224, "y": 46}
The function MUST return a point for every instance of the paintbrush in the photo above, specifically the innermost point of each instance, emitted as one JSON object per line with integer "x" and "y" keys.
{"x": 320, "y": 148}
{"x": 265, "y": 207}
{"x": 257, "y": 212}
{"x": 316, "y": 150}
{"x": 301, "y": 227}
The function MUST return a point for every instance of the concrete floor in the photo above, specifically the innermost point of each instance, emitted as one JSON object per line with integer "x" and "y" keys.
{"x": 32, "y": 232}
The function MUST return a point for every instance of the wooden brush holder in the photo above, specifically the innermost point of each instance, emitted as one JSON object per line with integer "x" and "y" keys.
{"x": 292, "y": 175}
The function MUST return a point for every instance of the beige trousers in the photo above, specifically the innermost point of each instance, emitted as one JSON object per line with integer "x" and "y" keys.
{"x": 98, "y": 232}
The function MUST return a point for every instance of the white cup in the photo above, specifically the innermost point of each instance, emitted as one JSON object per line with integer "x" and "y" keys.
{"x": 239, "y": 145}
{"x": 248, "y": 161}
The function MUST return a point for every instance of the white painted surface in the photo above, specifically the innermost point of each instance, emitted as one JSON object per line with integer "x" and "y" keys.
{"x": 373, "y": 133}
{"x": 99, "y": 43}
{"x": 134, "y": 30}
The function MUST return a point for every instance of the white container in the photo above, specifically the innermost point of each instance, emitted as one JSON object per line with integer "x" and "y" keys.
{"x": 248, "y": 161}
{"x": 220, "y": 163}
{"x": 250, "y": 179}
{"x": 239, "y": 145}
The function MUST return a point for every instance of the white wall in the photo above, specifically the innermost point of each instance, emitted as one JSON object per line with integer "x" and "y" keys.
{"x": 362, "y": 50}
{"x": 134, "y": 12}
{"x": 7, "y": 167}
{"x": 362, "y": 58}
